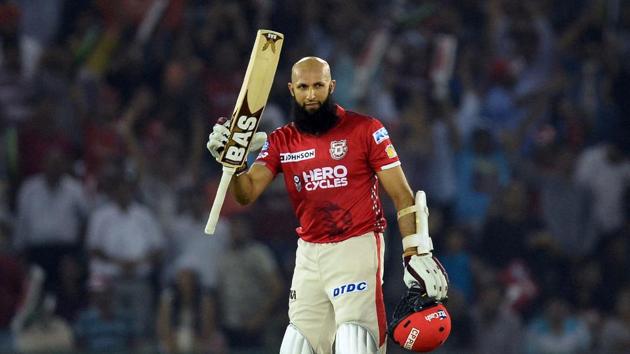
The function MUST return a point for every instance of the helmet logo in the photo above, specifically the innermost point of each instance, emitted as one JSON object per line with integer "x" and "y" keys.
{"x": 411, "y": 338}
{"x": 438, "y": 314}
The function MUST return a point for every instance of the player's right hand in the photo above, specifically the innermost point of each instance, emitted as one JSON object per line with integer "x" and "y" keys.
{"x": 218, "y": 138}
{"x": 425, "y": 271}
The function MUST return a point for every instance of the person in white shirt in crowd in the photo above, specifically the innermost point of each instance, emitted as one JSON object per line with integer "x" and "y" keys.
{"x": 187, "y": 246}
{"x": 125, "y": 243}
{"x": 51, "y": 212}
{"x": 604, "y": 170}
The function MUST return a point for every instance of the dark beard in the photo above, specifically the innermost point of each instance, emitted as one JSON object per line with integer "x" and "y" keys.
{"x": 318, "y": 122}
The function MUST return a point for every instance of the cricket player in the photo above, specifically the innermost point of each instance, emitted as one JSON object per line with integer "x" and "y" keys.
{"x": 332, "y": 161}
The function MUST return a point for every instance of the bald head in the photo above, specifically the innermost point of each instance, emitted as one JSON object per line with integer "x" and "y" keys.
{"x": 311, "y": 87}
{"x": 311, "y": 83}
{"x": 310, "y": 65}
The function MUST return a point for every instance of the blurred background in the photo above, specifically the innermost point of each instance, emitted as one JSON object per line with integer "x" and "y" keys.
{"x": 512, "y": 115}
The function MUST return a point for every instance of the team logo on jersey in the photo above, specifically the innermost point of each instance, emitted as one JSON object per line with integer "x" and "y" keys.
{"x": 391, "y": 152}
{"x": 338, "y": 149}
{"x": 287, "y": 157}
{"x": 298, "y": 183}
{"x": 292, "y": 295}
{"x": 380, "y": 135}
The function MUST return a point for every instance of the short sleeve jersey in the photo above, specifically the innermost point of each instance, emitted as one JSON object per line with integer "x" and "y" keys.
{"x": 331, "y": 178}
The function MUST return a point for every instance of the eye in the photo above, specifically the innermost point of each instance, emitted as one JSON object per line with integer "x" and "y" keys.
{"x": 319, "y": 85}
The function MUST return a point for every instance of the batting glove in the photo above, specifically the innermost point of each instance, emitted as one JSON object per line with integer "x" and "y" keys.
{"x": 426, "y": 272}
{"x": 220, "y": 136}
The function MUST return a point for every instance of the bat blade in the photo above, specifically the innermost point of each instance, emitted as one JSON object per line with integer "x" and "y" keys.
{"x": 253, "y": 96}
{"x": 248, "y": 111}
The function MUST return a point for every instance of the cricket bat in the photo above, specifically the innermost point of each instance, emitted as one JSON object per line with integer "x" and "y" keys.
{"x": 247, "y": 113}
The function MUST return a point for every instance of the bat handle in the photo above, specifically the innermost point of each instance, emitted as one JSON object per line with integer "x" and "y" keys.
{"x": 213, "y": 218}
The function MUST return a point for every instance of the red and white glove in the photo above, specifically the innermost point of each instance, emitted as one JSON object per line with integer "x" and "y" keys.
{"x": 426, "y": 272}
{"x": 422, "y": 269}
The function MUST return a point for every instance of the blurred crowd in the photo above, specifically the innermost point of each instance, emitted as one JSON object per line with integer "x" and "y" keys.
{"x": 513, "y": 116}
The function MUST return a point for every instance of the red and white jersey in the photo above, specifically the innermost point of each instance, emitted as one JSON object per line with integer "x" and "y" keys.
{"x": 331, "y": 178}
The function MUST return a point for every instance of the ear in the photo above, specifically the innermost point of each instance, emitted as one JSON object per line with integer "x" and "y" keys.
{"x": 332, "y": 86}
{"x": 291, "y": 89}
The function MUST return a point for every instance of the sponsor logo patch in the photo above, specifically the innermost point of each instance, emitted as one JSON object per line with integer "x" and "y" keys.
{"x": 380, "y": 135}
{"x": 391, "y": 152}
{"x": 292, "y": 295}
{"x": 349, "y": 288}
{"x": 263, "y": 151}
{"x": 411, "y": 338}
{"x": 325, "y": 177}
{"x": 287, "y": 157}
{"x": 338, "y": 149}
{"x": 441, "y": 314}
{"x": 298, "y": 183}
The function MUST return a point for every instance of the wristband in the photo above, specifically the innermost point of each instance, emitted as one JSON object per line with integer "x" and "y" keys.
{"x": 423, "y": 243}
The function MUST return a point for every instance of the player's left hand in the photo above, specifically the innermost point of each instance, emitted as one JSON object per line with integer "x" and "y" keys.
{"x": 220, "y": 136}
{"x": 425, "y": 271}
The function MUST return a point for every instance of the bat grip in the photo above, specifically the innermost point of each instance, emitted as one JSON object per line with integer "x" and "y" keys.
{"x": 213, "y": 218}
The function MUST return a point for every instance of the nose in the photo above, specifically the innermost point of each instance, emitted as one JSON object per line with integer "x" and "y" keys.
{"x": 311, "y": 94}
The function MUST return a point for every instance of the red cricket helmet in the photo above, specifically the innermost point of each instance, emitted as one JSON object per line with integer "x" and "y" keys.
{"x": 419, "y": 324}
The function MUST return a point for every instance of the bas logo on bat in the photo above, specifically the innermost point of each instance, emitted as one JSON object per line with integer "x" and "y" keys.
{"x": 247, "y": 126}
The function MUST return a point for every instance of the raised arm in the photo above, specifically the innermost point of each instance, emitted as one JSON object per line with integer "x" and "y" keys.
{"x": 248, "y": 186}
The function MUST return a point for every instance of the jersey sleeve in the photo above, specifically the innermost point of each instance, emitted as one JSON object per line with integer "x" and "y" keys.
{"x": 381, "y": 152}
{"x": 269, "y": 155}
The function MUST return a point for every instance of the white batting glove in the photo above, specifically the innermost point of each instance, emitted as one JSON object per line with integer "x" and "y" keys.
{"x": 218, "y": 138}
{"x": 257, "y": 142}
{"x": 426, "y": 272}
{"x": 220, "y": 135}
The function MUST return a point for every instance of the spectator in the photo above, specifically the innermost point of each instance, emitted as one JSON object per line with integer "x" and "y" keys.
{"x": 459, "y": 263}
{"x": 481, "y": 171}
{"x": 604, "y": 170}
{"x": 102, "y": 326}
{"x": 496, "y": 327}
{"x": 557, "y": 330}
{"x": 186, "y": 320}
{"x": 565, "y": 205}
{"x": 247, "y": 270}
{"x": 506, "y": 234}
{"x": 51, "y": 210}
{"x": 188, "y": 248}
{"x": 39, "y": 22}
{"x": 125, "y": 242}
